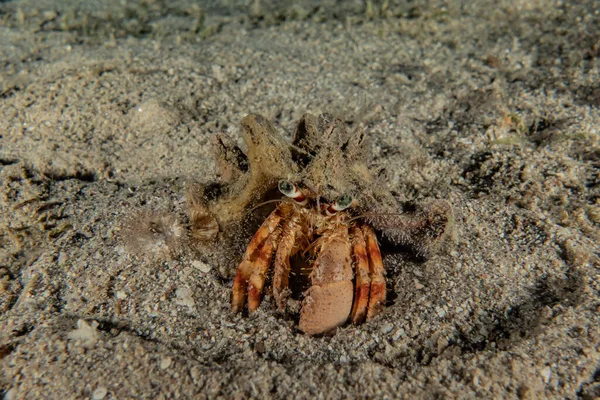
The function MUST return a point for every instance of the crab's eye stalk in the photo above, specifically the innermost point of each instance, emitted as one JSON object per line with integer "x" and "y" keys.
{"x": 340, "y": 204}
{"x": 287, "y": 188}
{"x": 343, "y": 202}
{"x": 290, "y": 190}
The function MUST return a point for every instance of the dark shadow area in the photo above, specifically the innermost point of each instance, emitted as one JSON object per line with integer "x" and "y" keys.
{"x": 84, "y": 176}
{"x": 590, "y": 390}
{"x": 526, "y": 319}
{"x": 8, "y": 161}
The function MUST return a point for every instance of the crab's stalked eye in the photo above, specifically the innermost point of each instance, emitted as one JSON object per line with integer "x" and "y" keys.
{"x": 287, "y": 188}
{"x": 343, "y": 202}
{"x": 290, "y": 190}
{"x": 340, "y": 204}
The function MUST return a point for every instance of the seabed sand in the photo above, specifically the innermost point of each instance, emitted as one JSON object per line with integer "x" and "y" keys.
{"x": 106, "y": 111}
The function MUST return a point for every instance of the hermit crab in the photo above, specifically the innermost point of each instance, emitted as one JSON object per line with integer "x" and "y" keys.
{"x": 329, "y": 208}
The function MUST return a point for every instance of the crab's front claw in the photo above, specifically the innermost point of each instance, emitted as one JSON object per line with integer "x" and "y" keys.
{"x": 326, "y": 307}
{"x": 328, "y": 303}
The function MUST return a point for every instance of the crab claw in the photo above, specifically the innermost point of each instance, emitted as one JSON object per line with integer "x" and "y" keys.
{"x": 326, "y": 307}
{"x": 327, "y": 304}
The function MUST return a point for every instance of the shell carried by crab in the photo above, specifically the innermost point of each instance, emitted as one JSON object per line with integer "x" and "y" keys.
{"x": 329, "y": 210}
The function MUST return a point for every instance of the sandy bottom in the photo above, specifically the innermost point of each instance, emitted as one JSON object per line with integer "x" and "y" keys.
{"x": 106, "y": 112}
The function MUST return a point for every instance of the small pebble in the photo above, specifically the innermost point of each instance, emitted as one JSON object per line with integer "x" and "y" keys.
{"x": 260, "y": 347}
{"x": 440, "y": 312}
{"x": 184, "y": 297}
{"x": 195, "y": 373}
{"x": 165, "y": 362}
{"x": 546, "y": 374}
{"x": 203, "y": 267}
{"x": 99, "y": 393}
{"x": 218, "y": 74}
{"x": 398, "y": 334}
{"x": 86, "y": 333}
{"x": 63, "y": 258}
{"x": 387, "y": 328}
{"x": 10, "y": 394}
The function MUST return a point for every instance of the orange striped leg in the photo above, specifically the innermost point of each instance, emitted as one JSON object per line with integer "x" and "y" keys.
{"x": 377, "y": 273}
{"x": 257, "y": 258}
{"x": 362, "y": 279}
{"x": 261, "y": 267}
{"x": 291, "y": 230}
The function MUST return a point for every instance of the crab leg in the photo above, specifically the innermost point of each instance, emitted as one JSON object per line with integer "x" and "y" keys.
{"x": 286, "y": 249}
{"x": 256, "y": 262}
{"x": 377, "y": 294}
{"x": 328, "y": 302}
{"x": 261, "y": 267}
{"x": 363, "y": 281}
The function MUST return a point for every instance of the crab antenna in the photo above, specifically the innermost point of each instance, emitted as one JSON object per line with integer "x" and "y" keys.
{"x": 373, "y": 215}
{"x": 310, "y": 246}
{"x": 318, "y": 193}
{"x": 265, "y": 202}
